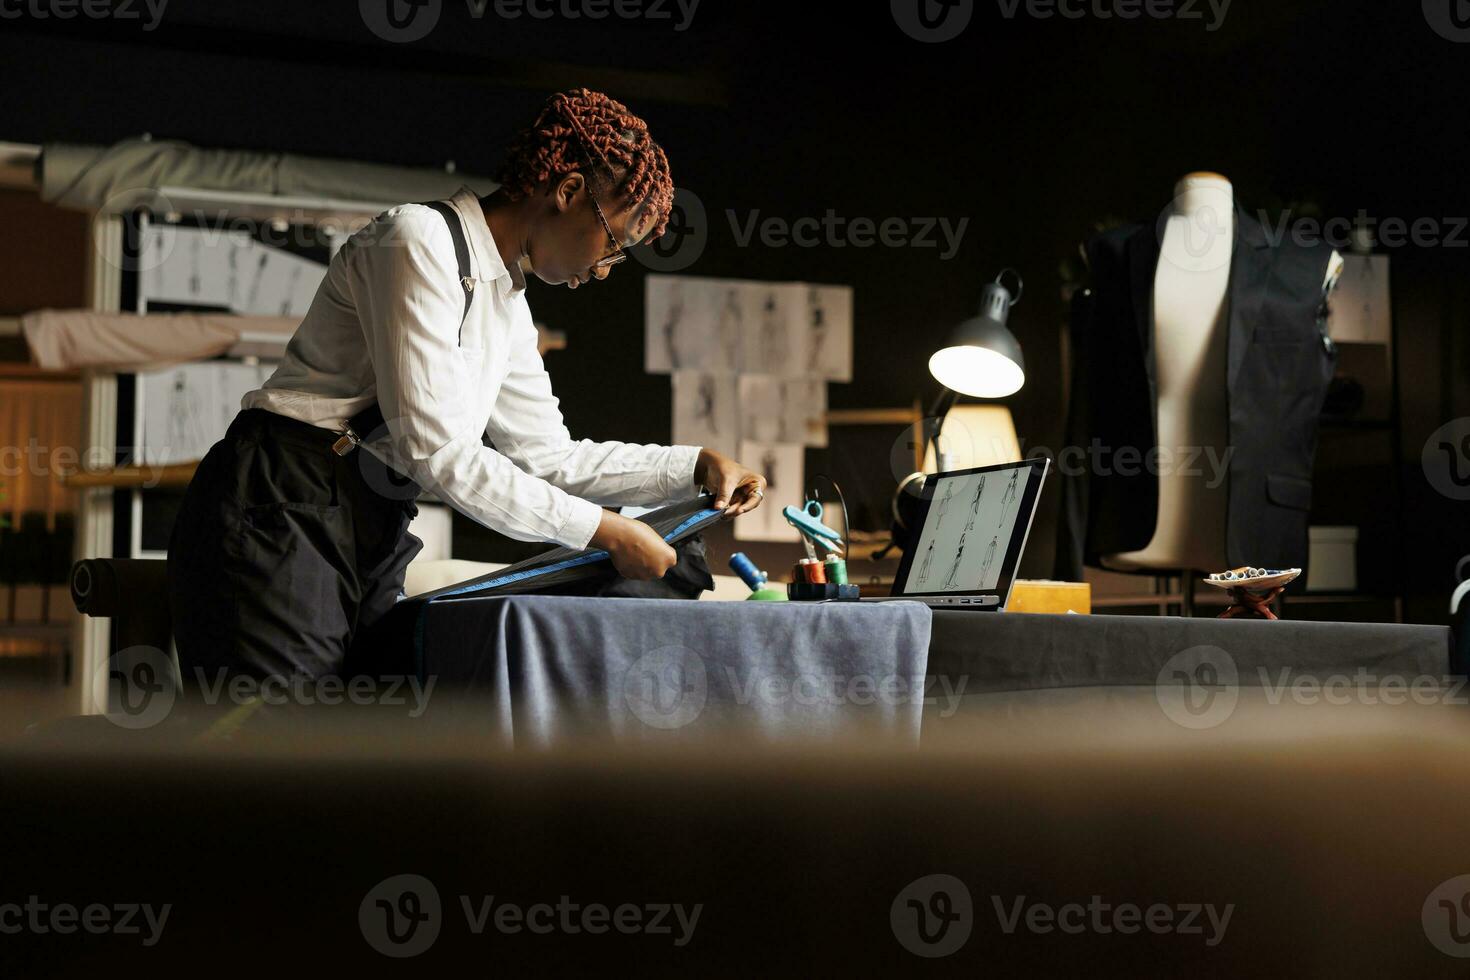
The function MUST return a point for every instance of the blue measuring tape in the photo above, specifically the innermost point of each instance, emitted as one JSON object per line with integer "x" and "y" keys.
{"x": 586, "y": 559}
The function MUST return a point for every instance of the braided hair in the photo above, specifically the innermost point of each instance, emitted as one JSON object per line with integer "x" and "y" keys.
{"x": 582, "y": 128}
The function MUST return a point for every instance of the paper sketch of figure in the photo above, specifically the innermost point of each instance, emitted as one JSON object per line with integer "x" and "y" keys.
{"x": 232, "y": 258}
{"x": 817, "y": 336}
{"x": 955, "y": 568}
{"x": 671, "y": 324}
{"x": 944, "y": 503}
{"x": 805, "y": 404}
{"x": 1009, "y": 497}
{"x": 773, "y": 337}
{"x": 731, "y": 327}
{"x": 768, "y": 465}
{"x": 196, "y": 282}
{"x": 975, "y": 505}
{"x": 290, "y": 291}
{"x": 183, "y": 417}
{"x": 254, "y": 296}
{"x": 705, "y": 411}
{"x": 927, "y": 564}
{"x": 989, "y": 557}
{"x": 761, "y": 408}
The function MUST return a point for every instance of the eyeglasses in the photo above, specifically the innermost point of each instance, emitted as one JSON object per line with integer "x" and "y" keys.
{"x": 617, "y": 254}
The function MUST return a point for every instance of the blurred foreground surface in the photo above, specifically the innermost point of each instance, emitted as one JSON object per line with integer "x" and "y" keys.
{"x": 1077, "y": 832}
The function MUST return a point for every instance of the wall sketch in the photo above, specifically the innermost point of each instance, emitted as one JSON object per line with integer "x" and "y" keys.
{"x": 203, "y": 267}
{"x": 749, "y": 365}
{"x": 705, "y": 410}
{"x": 184, "y": 410}
{"x": 782, "y": 465}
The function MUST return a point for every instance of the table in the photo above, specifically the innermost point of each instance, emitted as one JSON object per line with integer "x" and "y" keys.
{"x": 1032, "y": 652}
{"x": 1148, "y": 677}
{"x": 539, "y": 669}
{"x": 542, "y": 667}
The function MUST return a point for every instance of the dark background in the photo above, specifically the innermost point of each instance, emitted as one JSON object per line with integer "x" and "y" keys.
{"x": 1034, "y": 130}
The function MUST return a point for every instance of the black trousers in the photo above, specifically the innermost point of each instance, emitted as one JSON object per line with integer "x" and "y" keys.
{"x": 285, "y": 554}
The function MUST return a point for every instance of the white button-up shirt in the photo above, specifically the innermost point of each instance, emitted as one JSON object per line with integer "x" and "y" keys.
{"x": 385, "y": 325}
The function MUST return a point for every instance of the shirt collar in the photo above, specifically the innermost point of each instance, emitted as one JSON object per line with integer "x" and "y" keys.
{"x": 488, "y": 263}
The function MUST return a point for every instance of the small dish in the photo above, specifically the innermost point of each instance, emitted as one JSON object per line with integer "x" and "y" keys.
{"x": 1252, "y": 578}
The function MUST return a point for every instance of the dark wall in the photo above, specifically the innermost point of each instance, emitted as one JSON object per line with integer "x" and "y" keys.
{"x": 1033, "y": 130}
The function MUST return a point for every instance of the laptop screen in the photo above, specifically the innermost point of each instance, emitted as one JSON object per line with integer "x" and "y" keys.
{"x": 974, "y": 529}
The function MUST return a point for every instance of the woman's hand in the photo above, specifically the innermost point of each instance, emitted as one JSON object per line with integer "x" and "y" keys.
{"x": 636, "y": 550}
{"x": 737, "y": 489}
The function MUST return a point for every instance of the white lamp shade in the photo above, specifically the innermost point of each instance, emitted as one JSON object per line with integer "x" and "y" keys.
{"x": 977, "y": 371}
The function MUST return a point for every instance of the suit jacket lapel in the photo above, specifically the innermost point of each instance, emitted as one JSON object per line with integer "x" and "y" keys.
{"x": 1250, "y": 268}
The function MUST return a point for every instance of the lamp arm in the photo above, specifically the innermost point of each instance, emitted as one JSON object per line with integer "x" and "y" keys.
{"x": 934, "y": 421}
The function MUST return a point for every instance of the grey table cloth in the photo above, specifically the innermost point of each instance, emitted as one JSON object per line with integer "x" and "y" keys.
{"x": 1030, "y": 678}
{"x": 1030, "y": 652}
{"x": 537, "y": 668}
{"x": 541, "y": 668}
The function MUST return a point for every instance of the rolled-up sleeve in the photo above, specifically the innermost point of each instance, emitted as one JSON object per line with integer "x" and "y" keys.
{"x": 526, "y": 424}
{"x": 410, "y": 309}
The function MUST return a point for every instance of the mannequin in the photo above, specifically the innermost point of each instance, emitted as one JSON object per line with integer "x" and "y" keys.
{"x": 1189, "y": 319}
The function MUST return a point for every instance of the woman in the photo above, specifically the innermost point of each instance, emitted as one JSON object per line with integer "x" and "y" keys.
{"x": 404, "y": 375}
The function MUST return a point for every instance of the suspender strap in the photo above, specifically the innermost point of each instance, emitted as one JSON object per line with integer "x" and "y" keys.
{"x": 366, "y": 423}
{"x": 461, "y": 255}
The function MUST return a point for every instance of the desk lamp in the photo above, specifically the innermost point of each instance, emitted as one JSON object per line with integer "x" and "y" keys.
{"x": 981, "y": 357}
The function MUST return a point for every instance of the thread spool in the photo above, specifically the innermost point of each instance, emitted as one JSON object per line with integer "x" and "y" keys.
{"x": 836, "y": 570}
{"x": 742, "y": 566}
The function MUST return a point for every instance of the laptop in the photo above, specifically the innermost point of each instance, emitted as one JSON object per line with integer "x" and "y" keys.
{"x": 974, "y": 525}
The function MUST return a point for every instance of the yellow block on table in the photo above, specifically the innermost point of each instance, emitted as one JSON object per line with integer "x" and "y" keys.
{"x": 1034, "y": 596}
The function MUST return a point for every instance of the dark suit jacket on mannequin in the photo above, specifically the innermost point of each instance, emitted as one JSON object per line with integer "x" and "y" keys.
{"x": 1279, "y": 363}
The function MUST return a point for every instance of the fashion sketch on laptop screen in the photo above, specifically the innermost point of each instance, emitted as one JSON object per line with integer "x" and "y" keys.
{"x": 971, "y": 519}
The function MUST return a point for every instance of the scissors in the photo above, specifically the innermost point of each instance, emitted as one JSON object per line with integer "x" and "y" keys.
{"x": 808, "y": 521}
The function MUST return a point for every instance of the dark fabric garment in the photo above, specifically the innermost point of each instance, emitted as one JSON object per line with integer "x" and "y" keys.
{"x": 1279, "y": 365}
{"x": 285, "y": 553}
{"x": 688, "y": 579}
{"x": 1072, "y": 520}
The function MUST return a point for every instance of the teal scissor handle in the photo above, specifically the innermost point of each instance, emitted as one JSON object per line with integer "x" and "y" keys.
{"x": 807, "y": 520}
